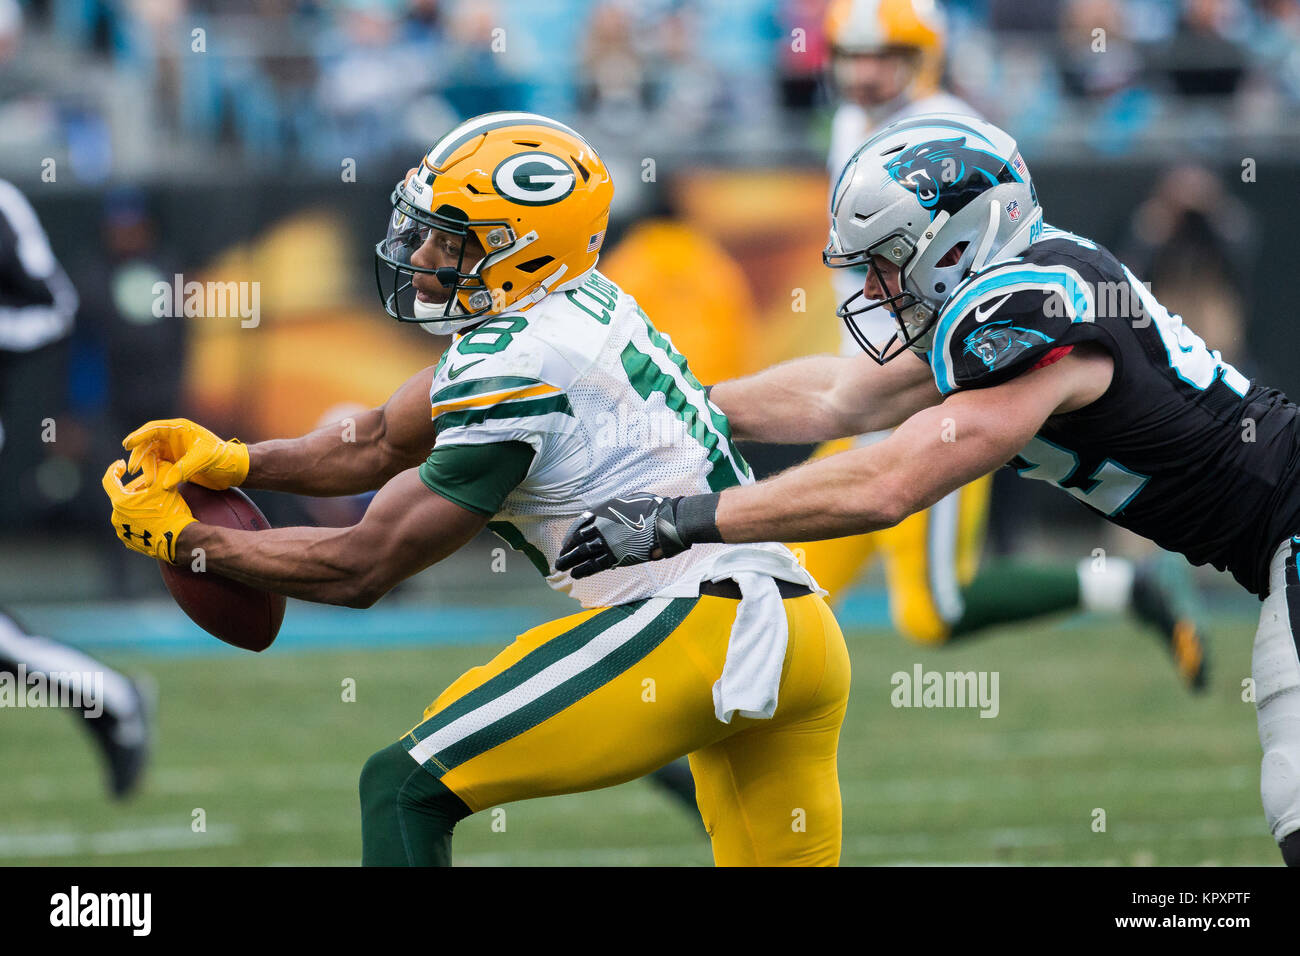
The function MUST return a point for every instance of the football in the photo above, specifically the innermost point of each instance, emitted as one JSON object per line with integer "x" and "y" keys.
{"x": 227, "y": 609}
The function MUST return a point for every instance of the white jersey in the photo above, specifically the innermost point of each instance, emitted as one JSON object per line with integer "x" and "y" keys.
{"x": 609, "y": 408}
{"x": 850, "y": 128}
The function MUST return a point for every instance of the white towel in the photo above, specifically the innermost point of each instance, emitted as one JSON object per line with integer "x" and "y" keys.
{"x": 751, "y": 676}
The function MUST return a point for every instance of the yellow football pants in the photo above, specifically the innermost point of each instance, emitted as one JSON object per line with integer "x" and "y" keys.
{"x": 928, "y": 558}
{"x": 608, "y": 695}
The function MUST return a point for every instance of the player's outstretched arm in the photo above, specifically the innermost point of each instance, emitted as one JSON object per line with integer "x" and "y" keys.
{"x": 406, "y": 529}
{"x": 823, "y": 397}
{"x": 934, "y": 452}
{"x": 332, "y": 460}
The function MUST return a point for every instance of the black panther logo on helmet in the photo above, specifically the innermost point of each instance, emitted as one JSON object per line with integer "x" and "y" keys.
{"x": 946, "y": 174}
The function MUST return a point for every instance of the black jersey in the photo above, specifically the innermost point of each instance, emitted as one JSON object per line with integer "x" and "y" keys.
{"x": 1181, "y": 448}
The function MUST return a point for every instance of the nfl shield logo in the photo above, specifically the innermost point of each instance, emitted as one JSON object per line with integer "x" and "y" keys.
{"x": 1013, "y": 210}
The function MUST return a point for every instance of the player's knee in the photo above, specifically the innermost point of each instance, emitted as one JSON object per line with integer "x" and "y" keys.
{"x": 384, "y": 772}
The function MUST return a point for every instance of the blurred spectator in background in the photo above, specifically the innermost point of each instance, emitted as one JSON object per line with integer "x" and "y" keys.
{"x": 1193, "y": 242}
{"x": 33, "y": 119}
{"x": 11, "y": 24}
{"x": 614, "y": 89}
{"x": 1276, "y": 45}
{"x": 370, "y": 69}
{"x": 480, "y": 51}
{"x": 1024, "y": 16}
{"x": 143, "y": 354}
{"x": 1098, "y": 60}
{"x": 1103, "y": 67}
{"x": 641, "y": 71}
{"x": 1204, "y": 56}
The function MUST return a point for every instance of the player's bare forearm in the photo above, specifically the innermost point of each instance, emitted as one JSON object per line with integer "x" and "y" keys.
{"x": 824, "y": 397}
{"x": 345, "y": 458}
{"x": 777, "y": 404}
{"x": 406, "y": 529}
{"x": 313, "y": 564}
{"x": 934, "y": 452}
{"x": 351, "y": 456}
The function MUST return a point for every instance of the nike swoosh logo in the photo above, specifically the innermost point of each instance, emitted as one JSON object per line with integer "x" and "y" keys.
{"x": 454, "y": 372}
{"x": 639, "y": 526}
{"x": 981, "y": 315}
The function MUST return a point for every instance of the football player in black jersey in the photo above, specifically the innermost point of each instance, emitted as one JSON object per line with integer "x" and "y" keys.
{"x": 1016, "y": 344}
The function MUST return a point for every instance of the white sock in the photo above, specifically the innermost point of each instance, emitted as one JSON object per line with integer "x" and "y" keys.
{"x": 1105, "y": 584}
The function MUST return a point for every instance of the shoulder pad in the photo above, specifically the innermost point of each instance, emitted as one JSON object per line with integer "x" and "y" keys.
{"x": 493, "y": 373}
{"x": 1000, "y": 322}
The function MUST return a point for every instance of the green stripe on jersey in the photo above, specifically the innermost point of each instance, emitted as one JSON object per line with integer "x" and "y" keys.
{"x": 558, "y": 698}
{"x": 527, "y": 408}
{"x": 515, "y": 538}
{"x": 481, "y": 386}
{"x": 719, "y": 420}
{"x": 528, "y": 666}
{"x": 647, "y": 378}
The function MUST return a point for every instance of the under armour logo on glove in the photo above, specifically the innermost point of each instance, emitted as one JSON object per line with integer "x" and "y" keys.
{"x": 143, "y": 536}
{"x": 621, "y": 532}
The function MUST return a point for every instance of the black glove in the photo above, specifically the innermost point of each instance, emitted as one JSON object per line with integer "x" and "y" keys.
{"x": 635, "y": 529}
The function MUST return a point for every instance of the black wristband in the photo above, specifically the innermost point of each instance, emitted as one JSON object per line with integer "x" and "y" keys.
{"x": 708, "y": 393}
{"x": 697, "y": 519}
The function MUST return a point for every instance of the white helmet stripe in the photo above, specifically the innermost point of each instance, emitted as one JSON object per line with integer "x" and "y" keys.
{"x": 462, "y": 134}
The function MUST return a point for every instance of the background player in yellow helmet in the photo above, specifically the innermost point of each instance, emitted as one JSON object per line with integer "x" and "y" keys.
{"x": 887, "y": 64}
{"x": 887, "y": 61}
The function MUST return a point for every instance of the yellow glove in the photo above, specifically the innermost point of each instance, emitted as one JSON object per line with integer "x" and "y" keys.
{"x": 200, "y": 456}
{"x": 147, "y": 517}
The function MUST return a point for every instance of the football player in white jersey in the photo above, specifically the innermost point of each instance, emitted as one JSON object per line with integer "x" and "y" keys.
{"x": 887, "y": 64}
{"x": 556, "y": 392}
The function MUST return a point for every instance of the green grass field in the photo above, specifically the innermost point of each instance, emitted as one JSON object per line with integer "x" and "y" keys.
{"x": 1091, "y": 716}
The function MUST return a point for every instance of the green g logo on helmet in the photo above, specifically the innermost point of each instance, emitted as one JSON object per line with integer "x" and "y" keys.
{"x": 534, "y": 178}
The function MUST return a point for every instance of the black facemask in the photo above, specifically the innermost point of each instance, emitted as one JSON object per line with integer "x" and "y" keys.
{"x": 408, "y": 229}
{"x": 894, "y": 303}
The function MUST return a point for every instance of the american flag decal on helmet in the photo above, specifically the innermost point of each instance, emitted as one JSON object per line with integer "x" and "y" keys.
{"x": 594, "y": 244}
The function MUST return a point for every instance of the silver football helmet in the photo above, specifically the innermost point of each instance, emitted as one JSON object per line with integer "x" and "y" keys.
{"x": 940, "y": 196}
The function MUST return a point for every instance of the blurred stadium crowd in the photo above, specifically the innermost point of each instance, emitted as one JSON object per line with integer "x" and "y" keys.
{"x": 148, "y": 86}
{"x": 214, "y": 138}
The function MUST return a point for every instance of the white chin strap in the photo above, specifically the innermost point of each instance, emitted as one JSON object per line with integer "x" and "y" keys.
{"x": 430, "y": 310}
{"x": 435, "y": 323}
{"x": 434, "y": 310}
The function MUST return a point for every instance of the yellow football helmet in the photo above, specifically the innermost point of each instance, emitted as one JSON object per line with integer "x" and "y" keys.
{"x": 862, "y": 28}
{"x": 531, "y": 191}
